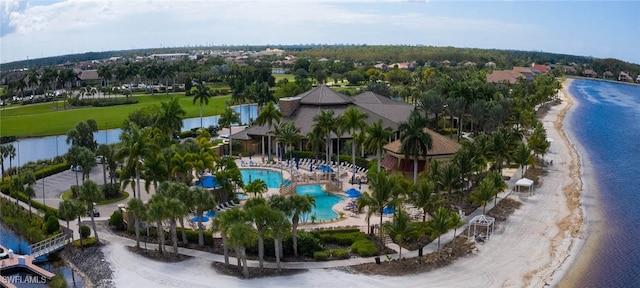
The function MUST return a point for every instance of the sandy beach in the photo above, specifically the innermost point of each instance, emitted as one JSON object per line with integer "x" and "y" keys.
{"x": 533, "y": 248}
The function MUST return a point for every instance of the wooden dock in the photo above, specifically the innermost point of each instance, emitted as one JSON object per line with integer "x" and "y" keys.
{"x": 24, "y": 262}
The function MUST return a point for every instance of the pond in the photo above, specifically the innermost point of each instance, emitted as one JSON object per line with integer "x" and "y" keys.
{"x": 10, "y": 240}
{"x": 42, "y": 148}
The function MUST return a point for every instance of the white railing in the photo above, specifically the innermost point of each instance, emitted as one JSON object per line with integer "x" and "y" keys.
{"x": 51, "y": 244}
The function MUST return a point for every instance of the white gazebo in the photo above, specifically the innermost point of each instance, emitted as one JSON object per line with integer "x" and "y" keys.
{"x": 482, "y": 221}
{"x": 525, "y": 182}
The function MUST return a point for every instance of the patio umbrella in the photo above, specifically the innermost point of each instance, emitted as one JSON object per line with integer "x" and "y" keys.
{"x": 204, "y": 218}
{"x": 388, "y": 210}
{"x": 311, "y": 167}
{"x": 209, "y": 214}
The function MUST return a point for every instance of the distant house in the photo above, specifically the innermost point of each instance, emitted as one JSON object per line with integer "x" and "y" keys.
{"x": 589, "y": 73}
{"x": 169, "y": 57}
{"x": 568, "y": 69}
{"x": 503, "y": 76}
{"x": 490, "y": 64}
{"x": 624, "y": 77}
{"x": 607, "y": 75}
{"x": 443, "y": 149}
{"x": 87, "y": 77}
{"x": 541, "y": 68}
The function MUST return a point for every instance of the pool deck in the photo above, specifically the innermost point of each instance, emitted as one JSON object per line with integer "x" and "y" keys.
{"x": 21, "y": 262}
{"x": 306, "y": 177}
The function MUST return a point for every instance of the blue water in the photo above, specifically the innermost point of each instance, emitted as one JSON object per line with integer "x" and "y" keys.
{"x": 606, "y": 123}
{"x": 10, "y": 240}
{"x": 208, "y": 182}
{"x": 324, "y": 203}
{"x": 41, "y": 148}
{"x": 272, "y": 178}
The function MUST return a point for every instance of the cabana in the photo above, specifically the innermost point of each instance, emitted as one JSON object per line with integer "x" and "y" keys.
{"x": 525, "y": 182}
{"x": 483, "y": 221}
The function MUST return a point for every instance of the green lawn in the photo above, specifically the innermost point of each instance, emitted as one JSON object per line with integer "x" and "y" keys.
{"x": 290, "y": 77}
{"x": 44, "y": 119}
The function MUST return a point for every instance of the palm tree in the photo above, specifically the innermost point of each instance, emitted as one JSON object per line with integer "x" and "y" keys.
{"x": 181, "y": 165}
{"x": 87, "y": 160}
{"x": 439, "y": 224}
{"x": 241, "y": 235}
{"x": 175, "y": 208}
{"x": 4, "y": 153}
{"x": 465, "y": 161}
{"x": 401, "y": 228}
{"x": 287, "y": 134}
{"x": 327, "y": 123}
{"x": 17, "y": 186}
{"x": 157, "y": 212}
{"x": 201, "y": 93}
{"x": 170, "y": 118}
{"x": 89, "y": 194}
{"x": 137, "y": 144}
{"x": 377, "y": 137}
{"x": 204, "y": 201}
{"x": 279, "y": 226}
{"x": 386, "y": 193}
{"x": 227, "y": 118}
{"x": 136, "y": 210}
{"x": 11, "y": 153}
{"x": 166, "y": 73}
{"x": 450, "y": 178}
{"x": 431, "y": 103}
{"x": 421, "y": 195}
{"x": 523, "y": 157}
{"x": 499, "y": 148}
{"x": 299, "y": 205}
{"x": 261, "y": 214}
{"x": 69, "y": 210}
{"x": 353, "y": 120}
{"x": 223, "y": 222}
{"x": 257, "y": 186}
{"x": 154, "y": 171}
{"x": 415, "y": 140}
{"x": 483, "y": 193}
{"x": 268, "y": 115}
{"x": 29, "y": 178}
{"x": 455, "y": 221}
{"x": 315, "y": 140}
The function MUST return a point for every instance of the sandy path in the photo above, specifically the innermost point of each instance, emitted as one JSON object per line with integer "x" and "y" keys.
{"x": 530, "y": 249}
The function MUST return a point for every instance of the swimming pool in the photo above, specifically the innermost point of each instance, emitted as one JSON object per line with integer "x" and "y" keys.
{"x": 208, "y": 182}
{"x": 324, "y": 203}
{"x": 272, "y": 178}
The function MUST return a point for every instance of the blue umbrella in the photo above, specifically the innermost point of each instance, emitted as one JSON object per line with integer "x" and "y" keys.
{"x": 209, "y": 214}
{"x": 204, "y": 218}
{"x": 388, "y": 210}
{"x": 352, "y": 191}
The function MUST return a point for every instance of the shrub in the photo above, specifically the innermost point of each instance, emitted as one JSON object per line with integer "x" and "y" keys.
{"x": 52, "y": 225}
{"x": 339, "y": 254}
{"x": 192, "y": 236}
{"x": 320, "y": 256}
{"x": 84, "y": 242}
{"x": 111, "y": 190}
{"x": 85, "y": 232}
{"x": 116, "y": 219}
{"x": 364, "y": 248}
{"x": 307, "y": 244}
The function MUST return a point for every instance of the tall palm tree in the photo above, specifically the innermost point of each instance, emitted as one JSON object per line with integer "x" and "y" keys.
{"x": 154, "y": 171}
{"x": 268, "y": 115}
{"x": 401, "y": 228}
{"x": 226, "y": 120}
{"x": 223, "y": 222}
{"x": 450, "y": 178}
{"x": 89, "y": 194}
{"x": 386, "y": 191}
{"x": 483, "y": 193}
{"x": 29, "y": 178}
{"x": 11, "y": 153}
{"x": 174, "y": 206}
{"x": 204, "y": 201}
{"x": 181, "y": 165}
{"x": 257, "y": 186}
{"x": 499, "y": 148}
{"x": 70, "y": 209}
{"x": 4, "y": 153}
{"x": 136, "y": 210}
{"x": 523, "y": 156}
{"x": 431, "y": 103}
{"x": 261, "y": 215}
{"x": 353, "y": 121}
{"x": 377, "y": 137}
{"x": 158, "y": 213}
{"x": 279, "y": 226}
{"x": 241, "y": 235}
{"x": 287, "y": 134}
{"x": 439, "y": 224}
{"x": 315, "y": 140}
{"x": 299, "y": 205}
{"x": 137, "y": 144}
{"x": 415, "y": 140}
{"x": 455, "y": 221}
{"x": 17, "y": 186}
{"x": 201, "y": 94}
{"x": 170, "y": 118}
{"x": 327, "y": 122}
{"x": 166, "y": 73}
{"x": 421, "y": 195}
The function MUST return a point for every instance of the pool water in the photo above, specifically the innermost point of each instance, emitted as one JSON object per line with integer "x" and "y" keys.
{"x": 324, "y": 203}
{"x": 272, "y": 178}
{"x": 208, "y": 182}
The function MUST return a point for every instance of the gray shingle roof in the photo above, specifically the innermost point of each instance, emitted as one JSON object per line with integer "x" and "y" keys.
{"x": 323, "y": 95}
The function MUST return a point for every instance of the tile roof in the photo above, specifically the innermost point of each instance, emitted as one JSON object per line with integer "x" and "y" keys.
{"x": 441, "y": 145}
{"x": 323, "y": 95}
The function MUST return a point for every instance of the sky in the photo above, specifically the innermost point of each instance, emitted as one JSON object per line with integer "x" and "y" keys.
{"x": 36, "y": 29}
